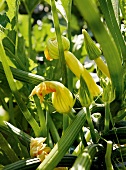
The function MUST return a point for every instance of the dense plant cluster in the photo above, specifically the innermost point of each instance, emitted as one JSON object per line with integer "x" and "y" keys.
{"x": 62, "y": 84}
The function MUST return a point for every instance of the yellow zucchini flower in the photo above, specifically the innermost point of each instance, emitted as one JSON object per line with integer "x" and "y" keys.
{"x": 62, "y": 98}
{"x": 51, "y": 52}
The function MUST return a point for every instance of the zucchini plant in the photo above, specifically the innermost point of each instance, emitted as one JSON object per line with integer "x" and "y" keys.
{"x": 62, "y": 84}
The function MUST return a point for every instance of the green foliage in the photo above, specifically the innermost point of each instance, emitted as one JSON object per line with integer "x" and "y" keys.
{"x": 25, "y": 28}
{"x": 30, "y": 6}
{"x": 4, "y": 20}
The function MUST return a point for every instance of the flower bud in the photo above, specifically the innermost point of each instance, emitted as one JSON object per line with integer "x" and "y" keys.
{"x": 94, "y": 53}
{"x": 51, "y": 51}
{"x": 38, "y": 148}
{"x": 62, "y": 98}
{"x": 92, "y": 50}
{"x": 85, "y": 96}
{"x": 108, "y": 91}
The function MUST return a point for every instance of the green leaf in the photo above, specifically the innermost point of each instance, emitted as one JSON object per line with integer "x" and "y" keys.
{"x": 7, "y": 149}
{"x": 65, "y": 4}
{"x": 23, "y": 27}
{"x": 84, "y": 94}
{"x": 62, "y": 8}
{"x": 21, "y": 51}
{"x": 30, "y": 5}
{"x": 11, "y": 9}
{"x": 4, "y": 20}
{"x": 9, "y": 45}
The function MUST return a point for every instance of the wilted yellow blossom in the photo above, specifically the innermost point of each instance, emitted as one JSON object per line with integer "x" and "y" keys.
{"x": 38, "y": 148}
{"x": 51, "y": 52}
{"x": 62, "y": 98}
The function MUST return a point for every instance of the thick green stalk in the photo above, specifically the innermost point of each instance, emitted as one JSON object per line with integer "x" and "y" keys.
{"x": 23, "y": 75}
{"x": 8, "y": 150}
{"x": 90, "y": 13}
{"x": 91, "y": 126}
{"x": 60, "y": 46}
{"x": 16, "y": 94}
{"x": 11, "y": 130}
{"x": 64, "y": 143}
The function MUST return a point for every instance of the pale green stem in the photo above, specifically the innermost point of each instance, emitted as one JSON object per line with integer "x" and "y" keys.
{"x": 60, "y": 46}
{"x": 41, "y": 116}
{"x": 11, "y": 110}
{"x": 70, "y": 74}
{"x": 47, "y": 124}
{"x": 30, "y": 34}
{"x": 107, "y": 117}
{"x": 90, "y": 123}
{"x": 65, "y": 122}
{"x": 61, "y": 51}
{"x": 108, "y": 156}
{"x": 53, "y": 130}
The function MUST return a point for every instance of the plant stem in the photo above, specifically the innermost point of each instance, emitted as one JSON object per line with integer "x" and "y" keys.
{"x": 11, "y": 110}
{"x": 108, "y": 156}
{"x": 8, "y": 150}
{"x": 53, "y": 130}
{"x": 90, "y": 123}
{"x": 107, "y": 117}
{"x": 60, "y": 46}
{"x": 61, "y": 53}
{"x": 41, "y": 116}
{"x": 70, "y": 74}
{"x": 29, "y": 34}
{"x": 65, "y": 122}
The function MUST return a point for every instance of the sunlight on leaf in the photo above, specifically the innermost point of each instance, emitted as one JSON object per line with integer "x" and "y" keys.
{"x": 11, "y": 9}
